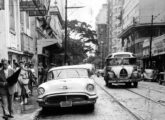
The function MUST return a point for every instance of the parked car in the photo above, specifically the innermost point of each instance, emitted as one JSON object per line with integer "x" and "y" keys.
{"x": 100, "y": 72}
{"x": 67, "y": 86}
{"x": 150, "y": 75}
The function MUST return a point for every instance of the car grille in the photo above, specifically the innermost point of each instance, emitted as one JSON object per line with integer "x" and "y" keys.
{"x": 123, "y": 73}
{"x": 73, "y": 98}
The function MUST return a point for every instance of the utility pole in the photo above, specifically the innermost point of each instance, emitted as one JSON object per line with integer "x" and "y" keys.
{"x": 151, "y": 36}
{"x": 102, "y": 56}
{"x": 66, "y": 24}
{"x": 108, "y": 26}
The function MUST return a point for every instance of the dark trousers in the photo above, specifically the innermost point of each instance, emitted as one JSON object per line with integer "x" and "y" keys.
{"x": 7, "y": 104}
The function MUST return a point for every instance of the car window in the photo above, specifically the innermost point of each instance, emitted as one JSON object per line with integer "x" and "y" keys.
{"x": 50, "y": 76}
{"x": 121, "y": 61}
{"x": 68, "y": 73}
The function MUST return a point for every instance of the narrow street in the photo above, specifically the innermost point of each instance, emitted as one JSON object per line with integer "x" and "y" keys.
{"x": 143, "y": 103}
{"x": 147, "y": 102}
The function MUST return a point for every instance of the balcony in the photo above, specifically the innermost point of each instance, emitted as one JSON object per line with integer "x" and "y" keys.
{"x": 35, "y": 7}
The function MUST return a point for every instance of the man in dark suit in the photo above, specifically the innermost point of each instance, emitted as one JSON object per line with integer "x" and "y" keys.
{"x": 6, "y": 91}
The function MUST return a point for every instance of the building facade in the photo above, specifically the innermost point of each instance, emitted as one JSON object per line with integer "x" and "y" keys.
{"x": 50, "y": 36}
{"x": 27, "y": 40}
{"x": 17, "y": 29}
{"x": 101, "y": 30}
{"x": 116, "y": 25}
{"x": 115, "y": 8}
{"x": 143, "y": 23}
{"x": 10, "y": 47}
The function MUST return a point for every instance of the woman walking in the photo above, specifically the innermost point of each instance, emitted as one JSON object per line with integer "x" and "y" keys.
{"x": 23, "y": 81}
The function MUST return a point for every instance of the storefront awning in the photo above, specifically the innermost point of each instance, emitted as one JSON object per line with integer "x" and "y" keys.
{"x": 47, "y": 42}
{"x": 15, "y": 51}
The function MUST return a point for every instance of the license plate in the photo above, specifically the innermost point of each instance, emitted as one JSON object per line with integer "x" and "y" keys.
{"x": 66, "y": 104}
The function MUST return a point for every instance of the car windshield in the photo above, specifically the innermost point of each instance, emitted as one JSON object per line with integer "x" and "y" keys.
{"x": 121, "y": 61}
{"x": 68, "y": 73}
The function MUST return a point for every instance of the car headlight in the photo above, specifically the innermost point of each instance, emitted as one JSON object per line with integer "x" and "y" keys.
{"x": 90, "y": 87}
{"x": 41, "y": 91}
{"x": 111, "y": 75}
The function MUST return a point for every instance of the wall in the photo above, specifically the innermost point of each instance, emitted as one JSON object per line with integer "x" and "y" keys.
{"x": 152, "y": 7}
{"x": 130, "y": 10}
{"x": 102, "y": 15}
{"x": 142, "y": 10}
{"x": 116, "y": 25}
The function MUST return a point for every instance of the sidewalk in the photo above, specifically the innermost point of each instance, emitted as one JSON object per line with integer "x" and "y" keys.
{"x": 24, "y": 112}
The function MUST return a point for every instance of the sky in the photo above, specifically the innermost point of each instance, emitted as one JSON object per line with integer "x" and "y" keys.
{"x": 86, "y": 14}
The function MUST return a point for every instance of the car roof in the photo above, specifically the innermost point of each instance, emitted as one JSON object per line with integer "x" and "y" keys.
{"x": 82, "y": 66}
{"x": 117, "y": 53}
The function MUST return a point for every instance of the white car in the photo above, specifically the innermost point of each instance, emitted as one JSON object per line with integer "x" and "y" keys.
{"x": 67, "y": 86}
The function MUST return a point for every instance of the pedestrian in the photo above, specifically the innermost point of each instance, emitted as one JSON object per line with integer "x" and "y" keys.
{"x": 23, "y": 81}
{"x": 17, "y": 88}
{"x": 1, "y": 66}
{"x": 40, "y": 73}
{"x": 32, "y": 78}
{"x": 9, "y": 64}
{"x": 6, "y": 92}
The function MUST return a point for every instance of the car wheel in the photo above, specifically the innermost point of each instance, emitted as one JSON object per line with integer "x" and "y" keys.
{"x": 128, "y": 84}
{"x": 109, "y": 84}
{"x": 160, "y": 82}
{"x": 135, "y": 84}
{"x": 106, "y": 81}
{"x": 44, "y": 109}
{"x": 91, "y": 107}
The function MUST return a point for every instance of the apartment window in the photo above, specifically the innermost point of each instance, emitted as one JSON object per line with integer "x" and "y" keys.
{"x": 2, "y": 5}
{"x": 27, "y": 20}
{"x": 12, "y": 15}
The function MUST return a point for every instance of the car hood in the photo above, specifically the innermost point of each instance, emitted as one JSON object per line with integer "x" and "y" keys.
{"x": 70, "y": 85}
{"x": 117, "y": 69}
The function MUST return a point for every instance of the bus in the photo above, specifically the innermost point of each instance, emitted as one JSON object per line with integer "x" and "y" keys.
{"x": 121, "y": 67}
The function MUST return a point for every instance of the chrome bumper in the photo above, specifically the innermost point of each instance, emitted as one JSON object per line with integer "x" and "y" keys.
{"x": 123, "y": 80}
{"x": 91, "y": 100}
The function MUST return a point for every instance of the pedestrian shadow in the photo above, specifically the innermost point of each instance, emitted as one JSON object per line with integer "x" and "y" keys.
{"x": 54, "y": 112}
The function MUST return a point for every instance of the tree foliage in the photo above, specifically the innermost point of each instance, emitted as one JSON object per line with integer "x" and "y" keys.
{"x": 76, "y": 47}
{"x": 84, "y": 30}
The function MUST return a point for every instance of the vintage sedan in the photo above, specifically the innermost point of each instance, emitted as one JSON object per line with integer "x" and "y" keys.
{"x": 67, "y": 86}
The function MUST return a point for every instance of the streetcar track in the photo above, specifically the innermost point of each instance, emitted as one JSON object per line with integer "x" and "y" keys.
{"x": 137, "y": 117}
{"x": 146, "y": 97}
{"x": 152, "y": 89}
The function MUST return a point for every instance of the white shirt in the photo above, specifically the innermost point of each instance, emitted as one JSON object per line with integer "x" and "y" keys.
{"x": 6, "y": 73}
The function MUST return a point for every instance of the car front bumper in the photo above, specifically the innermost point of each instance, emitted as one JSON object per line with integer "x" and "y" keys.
{"x": 123, "y": 80}
{"x": 43, "y": 102}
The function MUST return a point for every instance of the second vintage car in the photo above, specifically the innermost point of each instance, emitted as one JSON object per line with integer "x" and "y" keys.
{"x": 67, "y": 86}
